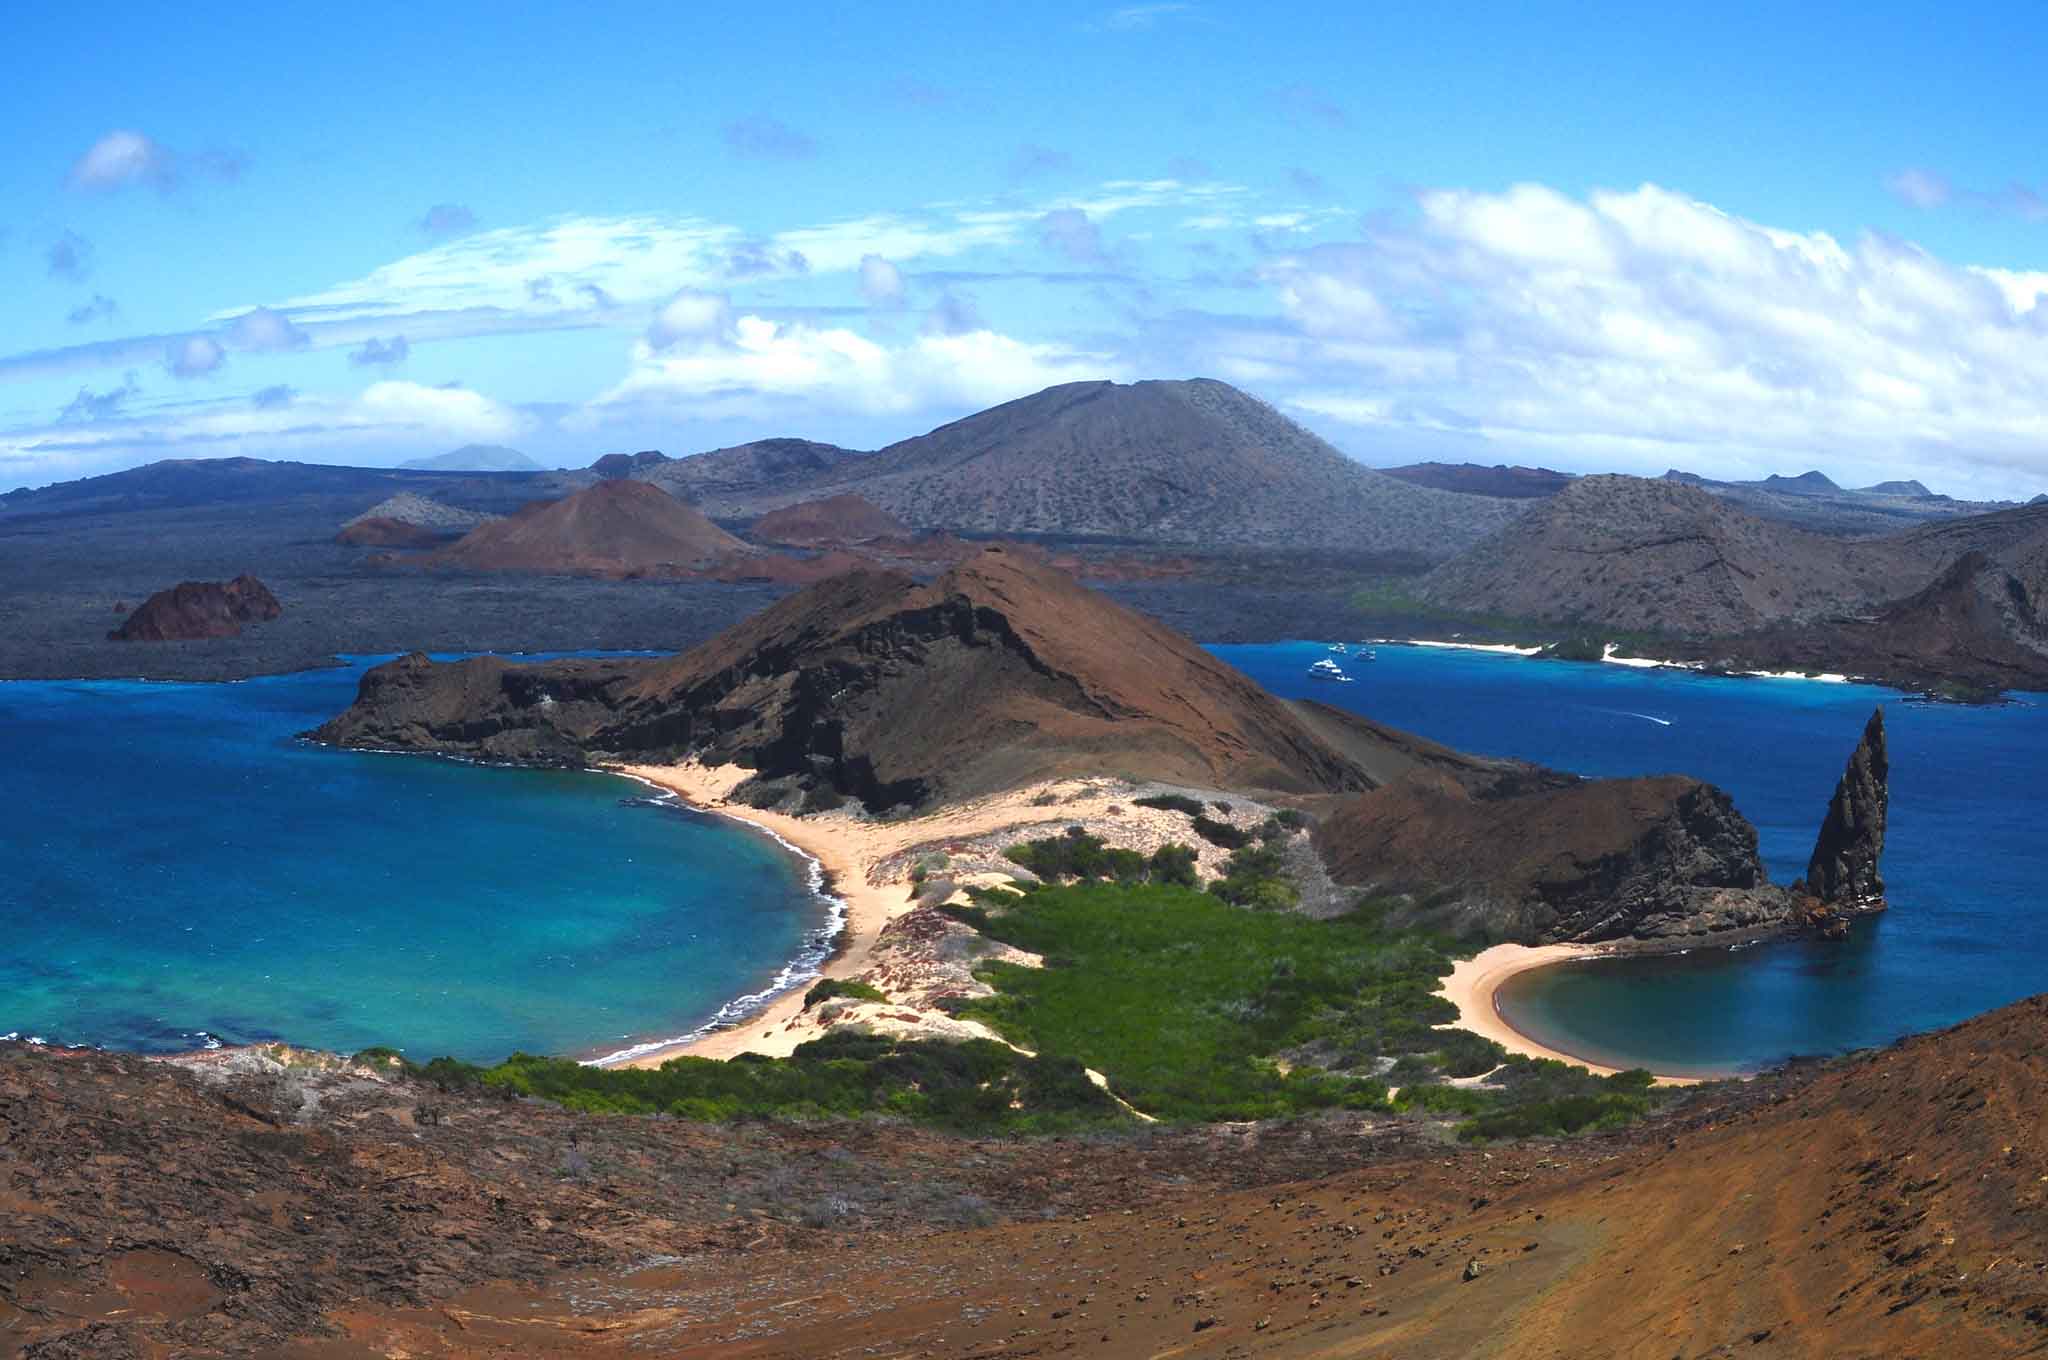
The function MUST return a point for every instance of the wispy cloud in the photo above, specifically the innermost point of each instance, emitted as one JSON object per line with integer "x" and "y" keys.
{"x": 194, "y": 357}
{"x": 447, "y": 219}
{"x": 1072, "y": 233}
{"x": 1306, "y": 104}
{"x": 762, "y": 137}
{"x": 881, "y": 282}
{"x": 1032, "y": 160}
{"x": 381, "y": 353}
{"x": 1929, "y": 189}
{"x": 1919, "y": 188}
{"x": 272, "y": 398}
{"x": 125, "y": 159}
{"x": 69, "y": 257}
{"x": 101, "y": 308}
{"x": 89, "y": 405}
{"x": 1138, "y": 18}
{"x": 266, "y": 331}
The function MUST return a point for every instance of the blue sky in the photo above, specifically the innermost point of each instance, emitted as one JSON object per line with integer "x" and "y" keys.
{"x": 1597, "y": 238}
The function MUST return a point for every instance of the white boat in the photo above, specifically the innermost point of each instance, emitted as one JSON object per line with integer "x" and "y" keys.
{"x": 1327, "y": 669}
{"x": 1365, "y": 653}
{"x": 1337, "y": 647}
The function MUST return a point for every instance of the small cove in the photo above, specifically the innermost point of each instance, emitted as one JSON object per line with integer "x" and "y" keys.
{"x": 1969, "y": 791}
{"x": 183, "y": 870}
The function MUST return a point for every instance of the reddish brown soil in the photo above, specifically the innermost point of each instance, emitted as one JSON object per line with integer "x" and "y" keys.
{"x": 388, "y": 533}
{"x": 614, "y": 528}
{"x": 1894, "y": 1205}
{"x": 199, "y": 609}
{"x": 833, "y": 521}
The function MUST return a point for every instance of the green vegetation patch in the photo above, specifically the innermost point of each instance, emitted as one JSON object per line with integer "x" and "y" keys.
{"x": 979, "y": 1085}
{"x": 1172, "y": 802}
{"x": 843, "y": 987}
{"x": 1079, "y": 855}
{"x": 1183, "y": 1000}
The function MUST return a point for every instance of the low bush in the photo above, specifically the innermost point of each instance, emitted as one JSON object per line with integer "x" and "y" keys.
{"x": 832, "y": 988}
{"x": 1078, "y": 855}
{"x": 976, "y": 1086}
{"x": 1221, "y": 833}
{"x": 1172, "y": 802}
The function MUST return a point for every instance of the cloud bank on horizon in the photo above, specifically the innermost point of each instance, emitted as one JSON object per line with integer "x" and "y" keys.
{"x": 863, "y": 263}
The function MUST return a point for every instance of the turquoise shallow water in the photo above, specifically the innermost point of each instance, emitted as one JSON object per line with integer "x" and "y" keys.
{"x": 177, "y": 867}
{"x": 174, "y": 866}
{"x": 1968, "y": 928}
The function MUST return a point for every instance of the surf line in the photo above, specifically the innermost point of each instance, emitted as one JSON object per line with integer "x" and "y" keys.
{"x": 809, "y": 962}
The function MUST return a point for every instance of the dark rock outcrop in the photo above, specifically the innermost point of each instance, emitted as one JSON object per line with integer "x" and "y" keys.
{"x": 1663, "y": 862}
{"x": 199, "y": 609}
{"x": 1844, "y": 867}
{"x": 1659, "y": 859}
{"x": 618, "y": 465}
{"x": 1002, "y": 672}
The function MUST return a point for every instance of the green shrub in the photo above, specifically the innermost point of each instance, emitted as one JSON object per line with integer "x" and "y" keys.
{"x": 1174, "y": 864}
{"x": 1220, "y": 833}
{"x": 1172, "y": 802}
{"x": 978, "y": 1085}
{"x": 842, "y": 987}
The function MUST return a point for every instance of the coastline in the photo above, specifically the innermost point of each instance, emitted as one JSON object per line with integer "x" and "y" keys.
{"x": 1474, "y": 984}
{"x": 865, "y": 865}
{"x": 759, "y": 1022}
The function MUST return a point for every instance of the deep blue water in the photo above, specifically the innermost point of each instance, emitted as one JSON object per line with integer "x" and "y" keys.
{"x": 1967, "y": 930}
{"x": 173, "y": 865}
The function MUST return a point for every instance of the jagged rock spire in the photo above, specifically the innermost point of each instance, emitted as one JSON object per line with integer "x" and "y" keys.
{"x": 1844, "y": 869}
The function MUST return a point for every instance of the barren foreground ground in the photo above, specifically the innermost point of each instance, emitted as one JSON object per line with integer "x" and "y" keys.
{"x": 1888, "y": 1206}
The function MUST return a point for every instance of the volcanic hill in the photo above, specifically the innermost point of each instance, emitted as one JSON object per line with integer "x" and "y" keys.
{"x": 871, "y": 685}
{"x": 836, "y": 520}
{"x": 409, "y": 520}
{"x": 1473, "y": 479}
{"x": 199, "y": 609}
{"x": 1662, "y": 556}
{"x": 1196, "y": 462}
{"x": 614, "y": 528}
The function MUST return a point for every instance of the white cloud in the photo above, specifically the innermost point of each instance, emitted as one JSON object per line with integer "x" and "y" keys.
{"x": 194, "y": 357}
{"x": 1650, "y": 327}
{"x": 690, "y": 316}
{"x": 122, "y": 158}
{"x": 1919, "y": 188}
{"x": 764, "y": 366}
{"x": 453, "y": 412}
{"x": 265, "y": 331}
{"x": 386, "y": 420}
{"x": 627, "y": 258}
{"x": 881, "y": 282}
{"x": 380, "y": 352}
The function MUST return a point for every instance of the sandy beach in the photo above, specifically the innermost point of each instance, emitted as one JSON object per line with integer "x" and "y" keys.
{"x": 1474, "y": 983}
{"x": 863, "y": 860}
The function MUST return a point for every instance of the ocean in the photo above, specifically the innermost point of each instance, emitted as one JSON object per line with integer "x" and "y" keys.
{"x": 1967, "y": 930}
{"x": 178, "y": 870}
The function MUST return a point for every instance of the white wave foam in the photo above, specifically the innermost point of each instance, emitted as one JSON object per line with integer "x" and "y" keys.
{"x": 808, "y": 963}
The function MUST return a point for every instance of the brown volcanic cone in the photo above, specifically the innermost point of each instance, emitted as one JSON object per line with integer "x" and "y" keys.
{"x": 613, "y": 528}
{"x": 1001, "y": 672}
{"x": 199, "y": 609}
{"x": 835, "y": 519}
